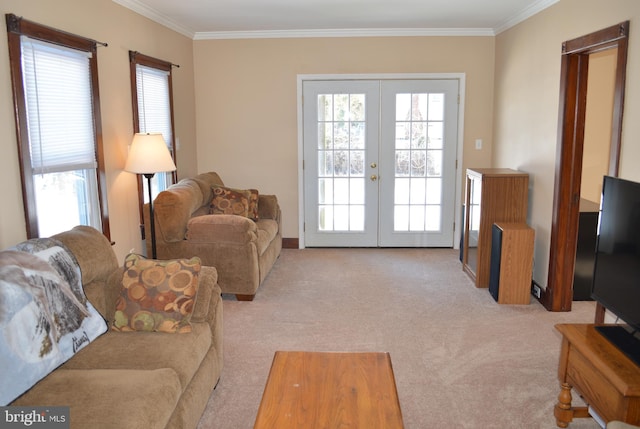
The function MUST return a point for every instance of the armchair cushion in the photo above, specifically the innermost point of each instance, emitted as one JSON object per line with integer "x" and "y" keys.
{"x": 221, "y": 229}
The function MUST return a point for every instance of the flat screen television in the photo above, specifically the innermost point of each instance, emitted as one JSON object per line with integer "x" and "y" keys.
{"x": 616, "y": 279}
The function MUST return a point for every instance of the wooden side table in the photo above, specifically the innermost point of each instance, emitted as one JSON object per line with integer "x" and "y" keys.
{"x": 606, "y": 379}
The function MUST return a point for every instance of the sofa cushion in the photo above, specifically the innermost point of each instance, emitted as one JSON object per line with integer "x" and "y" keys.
{"x": 157, "y": 295}
{"x": 212, "y": 178}
{"x": 230, "y": 201}
{"x": 206, "y": 181}
{"x": 147, "y": 350}
{"x": 111, "y": 398}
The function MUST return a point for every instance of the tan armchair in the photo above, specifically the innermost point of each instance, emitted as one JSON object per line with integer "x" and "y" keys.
{"x": 242, "y": 250}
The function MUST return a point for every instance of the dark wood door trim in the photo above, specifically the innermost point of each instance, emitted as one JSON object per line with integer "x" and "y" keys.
{"x": 558, "y": 294}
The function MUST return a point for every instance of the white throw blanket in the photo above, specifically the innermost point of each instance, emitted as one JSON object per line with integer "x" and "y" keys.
{"x": 45, "y": 317}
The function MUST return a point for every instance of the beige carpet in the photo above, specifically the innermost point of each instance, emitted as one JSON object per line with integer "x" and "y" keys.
{"x": 460, "y": 359}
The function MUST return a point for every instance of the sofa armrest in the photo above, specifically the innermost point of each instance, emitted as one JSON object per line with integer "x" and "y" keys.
{"x": 221, "y": 228}
{"x": 173, "y": 208}
{"x": 208, "y": 296}
{"x": 268, "y": 207}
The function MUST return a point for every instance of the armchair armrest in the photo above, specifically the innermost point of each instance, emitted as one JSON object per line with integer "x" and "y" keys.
{"x": 221, "y": 228}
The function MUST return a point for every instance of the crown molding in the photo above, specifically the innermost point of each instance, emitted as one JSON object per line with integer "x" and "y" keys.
{"x": 525, "y": 14}
{"x": 361, "y": 32}
{"x": 153, "y": 15}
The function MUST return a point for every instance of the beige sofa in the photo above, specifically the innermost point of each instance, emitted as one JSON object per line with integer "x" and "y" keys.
{"x": 242, "y": 250}
{"x": 134, "y": 379}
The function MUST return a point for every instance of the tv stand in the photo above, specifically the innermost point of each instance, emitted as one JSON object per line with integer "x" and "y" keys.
{"x": 624, "y": 340}
{"x": 607, "y": 380}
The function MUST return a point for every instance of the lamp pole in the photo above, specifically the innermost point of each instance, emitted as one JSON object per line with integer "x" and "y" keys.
{"x": 152, "y": 225}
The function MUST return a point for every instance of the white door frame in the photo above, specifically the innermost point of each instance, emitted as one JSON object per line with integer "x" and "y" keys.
{"x": 461, "y": 77}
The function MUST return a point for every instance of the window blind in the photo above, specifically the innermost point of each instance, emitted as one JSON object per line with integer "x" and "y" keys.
{"x": 57, "y": 84}
{"x": 154, "y": 108}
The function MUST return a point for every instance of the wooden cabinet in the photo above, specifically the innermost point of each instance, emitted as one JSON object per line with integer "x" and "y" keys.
{"x": 492, "y": 195}
{"x": 511, "y": 263}
{"x": 607, "y": 380}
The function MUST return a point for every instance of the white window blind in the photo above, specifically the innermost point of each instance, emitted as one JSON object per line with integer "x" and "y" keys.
{"x": 154, "y": 116}
{"x": 154, "y": 108}
{"x": 57, "y": 84}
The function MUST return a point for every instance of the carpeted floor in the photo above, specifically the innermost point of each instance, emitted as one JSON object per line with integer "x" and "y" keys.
{"x": 460, "y": 359}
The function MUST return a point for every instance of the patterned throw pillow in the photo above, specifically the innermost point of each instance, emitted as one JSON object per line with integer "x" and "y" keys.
{"x": 157, "y": 295}
{"x": 230, "y": 201}
{"x": 253, "y": 204}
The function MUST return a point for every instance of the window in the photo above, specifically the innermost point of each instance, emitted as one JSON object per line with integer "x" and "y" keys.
{"x": 152, "y": 112}
{"x": 55, "y": 87}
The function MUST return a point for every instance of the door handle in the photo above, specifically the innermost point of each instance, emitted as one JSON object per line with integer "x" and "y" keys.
{"x": 374, "y": 177}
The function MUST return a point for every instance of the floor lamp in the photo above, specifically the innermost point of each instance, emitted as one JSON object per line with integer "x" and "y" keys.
{"x": 149, "y": 155}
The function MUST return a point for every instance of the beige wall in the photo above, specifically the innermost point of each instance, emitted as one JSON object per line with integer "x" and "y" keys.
{"x": 598, "y": 123}
{"x": 527, "y": 76}
{"x": 246, "y": 102}
{"x": 123, "y": 30}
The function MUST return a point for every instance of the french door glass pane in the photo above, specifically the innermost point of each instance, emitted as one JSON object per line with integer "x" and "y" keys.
{"x": 341, "y": 191}
{"x": 434, "y": 191}
{"x": 435, "y": 133}
{"x": 341, "y": 218}
{"x": 432, "y": 218}
{"x": 357, "y": 135}
{"x": 341, "y": 161}
{"x": 419, "y": 161}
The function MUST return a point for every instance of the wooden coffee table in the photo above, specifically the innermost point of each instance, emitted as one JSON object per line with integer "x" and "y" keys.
{"x": 330, "y": 390}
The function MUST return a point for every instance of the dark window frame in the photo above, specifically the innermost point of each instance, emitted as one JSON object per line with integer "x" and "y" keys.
{"x": 16, "y": 27}
{"x": 136, "y": 58}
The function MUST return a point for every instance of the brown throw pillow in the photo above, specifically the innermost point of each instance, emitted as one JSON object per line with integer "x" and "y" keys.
{"x": 157, "y": 295}
{"x": 229, "y": 201}
{"x": 253, "y": 204}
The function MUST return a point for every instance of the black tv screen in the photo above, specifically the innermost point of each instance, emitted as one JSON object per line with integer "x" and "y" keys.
{"x": 616, "y": 280}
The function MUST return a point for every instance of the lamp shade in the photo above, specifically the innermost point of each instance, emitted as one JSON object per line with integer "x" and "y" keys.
{"x": 149, "y": 154}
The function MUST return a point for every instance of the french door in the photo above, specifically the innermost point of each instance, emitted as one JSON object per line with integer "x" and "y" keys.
{"x": 379, "y": 162}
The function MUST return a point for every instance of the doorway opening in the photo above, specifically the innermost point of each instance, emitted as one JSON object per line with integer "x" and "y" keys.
{"x": 576, "y": 54}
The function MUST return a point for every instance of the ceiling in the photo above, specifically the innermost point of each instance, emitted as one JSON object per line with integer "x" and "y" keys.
{"x": 209, "y": 19}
